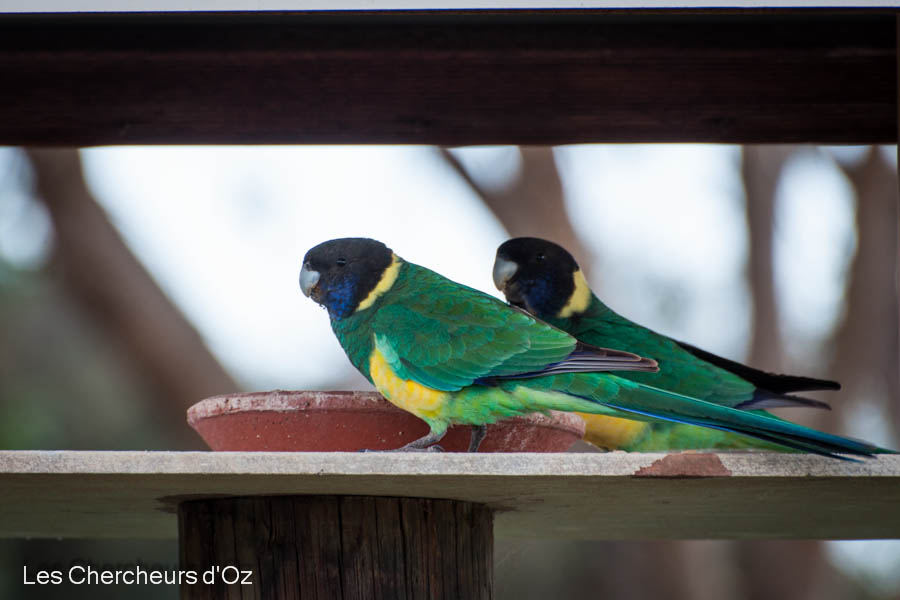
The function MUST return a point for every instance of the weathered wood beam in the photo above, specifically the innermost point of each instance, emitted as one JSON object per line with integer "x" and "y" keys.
{"x": 579, "y": 496}
{"x": 449, "y": 78}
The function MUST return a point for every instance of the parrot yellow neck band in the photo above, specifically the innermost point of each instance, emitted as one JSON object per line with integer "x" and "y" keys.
{"x": 384, "y": 284}
{"x": 580, "y": 298}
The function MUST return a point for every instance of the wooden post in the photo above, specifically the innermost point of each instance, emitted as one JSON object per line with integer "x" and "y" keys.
{"x": 336, "y": 547}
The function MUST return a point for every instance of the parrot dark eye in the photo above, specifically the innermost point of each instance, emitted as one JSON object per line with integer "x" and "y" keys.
{"x": 341, "y": 262}
{"x": 540, "y": 257}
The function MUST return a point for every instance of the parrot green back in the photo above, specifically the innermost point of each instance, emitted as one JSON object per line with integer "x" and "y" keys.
{"x": 679, "y": 370}
{"x": 447, "y": 336}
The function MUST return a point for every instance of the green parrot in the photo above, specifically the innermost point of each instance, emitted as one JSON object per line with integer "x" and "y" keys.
{"x": 450, "y": 354}
{"x": 542, "y": 277}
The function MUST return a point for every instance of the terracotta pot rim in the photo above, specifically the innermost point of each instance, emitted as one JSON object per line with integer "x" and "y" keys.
{"x": 338, "y": 400}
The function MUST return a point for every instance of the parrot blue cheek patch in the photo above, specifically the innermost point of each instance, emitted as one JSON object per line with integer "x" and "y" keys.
{"x": 341, "y": 301}
{"x": 540, "y": 296}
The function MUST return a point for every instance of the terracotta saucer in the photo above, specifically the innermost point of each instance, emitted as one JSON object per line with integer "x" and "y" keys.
{"x": 350, "y": 421}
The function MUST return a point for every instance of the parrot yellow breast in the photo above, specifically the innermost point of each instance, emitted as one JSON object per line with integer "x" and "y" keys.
{"x": 611, "y": 432}
{"x": 424, "y": 402}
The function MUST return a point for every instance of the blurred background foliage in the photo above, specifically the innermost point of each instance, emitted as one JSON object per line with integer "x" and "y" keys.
{"x": 137, "y": 281}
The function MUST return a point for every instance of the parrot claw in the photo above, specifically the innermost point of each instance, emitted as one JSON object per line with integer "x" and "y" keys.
{"x": 434, "y": 448}
{"x": 426, "y": 443}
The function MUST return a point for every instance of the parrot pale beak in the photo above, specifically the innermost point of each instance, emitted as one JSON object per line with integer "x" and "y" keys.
{"x": 503, "y": 272}
{"x": 308, "y": 279}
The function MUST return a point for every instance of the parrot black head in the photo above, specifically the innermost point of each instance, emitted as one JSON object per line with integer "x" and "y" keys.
{"x": 345, "y": 275}
{"x": 540, "y": 277}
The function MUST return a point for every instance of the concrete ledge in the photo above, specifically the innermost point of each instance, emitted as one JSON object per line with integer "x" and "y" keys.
{"x": 580, "y": 496}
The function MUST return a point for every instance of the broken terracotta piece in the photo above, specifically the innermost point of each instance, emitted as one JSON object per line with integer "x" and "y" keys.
{"x": 350, "y": 421}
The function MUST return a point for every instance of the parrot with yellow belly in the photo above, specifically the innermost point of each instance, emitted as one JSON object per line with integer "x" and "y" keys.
{"x": 450, "y": 354}
{"x": 544, "y": 279}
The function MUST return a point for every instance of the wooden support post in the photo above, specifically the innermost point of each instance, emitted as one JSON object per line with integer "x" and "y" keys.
{"x": 336, "y": 547}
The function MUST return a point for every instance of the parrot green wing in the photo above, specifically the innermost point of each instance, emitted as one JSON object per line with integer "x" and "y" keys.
{"x": 681, "y": 367}
{"x": 447, "y": 336}
{"x": 679, "y": 370}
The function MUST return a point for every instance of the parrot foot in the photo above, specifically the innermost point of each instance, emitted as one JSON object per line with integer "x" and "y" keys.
{"x": 478, "y": 433}
{"x": 434, "y": 448}
{"x": 427, "y": 443}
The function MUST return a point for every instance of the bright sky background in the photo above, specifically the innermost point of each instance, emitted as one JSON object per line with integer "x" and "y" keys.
{"x": 224, "y": 229}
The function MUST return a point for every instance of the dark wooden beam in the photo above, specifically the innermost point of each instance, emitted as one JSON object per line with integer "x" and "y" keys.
{"x": 449, "y": 78}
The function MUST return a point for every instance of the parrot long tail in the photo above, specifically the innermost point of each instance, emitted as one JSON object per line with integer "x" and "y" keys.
{"x": 647, "y": 401}
{"x": 607, "y": 394}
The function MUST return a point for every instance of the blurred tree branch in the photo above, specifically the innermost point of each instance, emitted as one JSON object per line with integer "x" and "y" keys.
{"x": 761, "y": 168}
{"x": 533, "y": 204}
{"x": 111, "y": 286}
{"x": 775, "y": 569}
{"x": 866, "y": 343}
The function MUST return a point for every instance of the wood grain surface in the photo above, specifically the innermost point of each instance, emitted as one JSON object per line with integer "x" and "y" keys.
{"x": 450, "y": 78}
{"x": 338, "y": 548}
